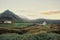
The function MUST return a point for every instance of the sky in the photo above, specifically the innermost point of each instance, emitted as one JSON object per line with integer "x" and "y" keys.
{"x": 32, "y": 9}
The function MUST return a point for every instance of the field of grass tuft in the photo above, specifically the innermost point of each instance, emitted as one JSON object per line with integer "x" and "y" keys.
{"x": 27, "y": 31}
{"x": 43, "y": 36}
{"x": 16, "y": 25}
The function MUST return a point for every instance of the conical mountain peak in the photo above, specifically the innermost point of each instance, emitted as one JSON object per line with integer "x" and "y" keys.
{"x": 7, "y": 12}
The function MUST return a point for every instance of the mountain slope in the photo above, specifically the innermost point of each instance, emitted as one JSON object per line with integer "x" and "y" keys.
{"x": 8, "y": 15}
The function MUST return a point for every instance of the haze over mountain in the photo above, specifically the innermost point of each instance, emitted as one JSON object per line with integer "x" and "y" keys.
{"x": 32, "y": 8}
{"x": 17, "y": 18}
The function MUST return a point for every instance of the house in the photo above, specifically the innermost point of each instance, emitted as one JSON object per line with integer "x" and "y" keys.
{"x": 44, "y": 23}
{"x": 7, "y": 21}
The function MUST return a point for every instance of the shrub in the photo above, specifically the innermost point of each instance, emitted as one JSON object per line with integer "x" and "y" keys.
{"x": 43, "y": 36}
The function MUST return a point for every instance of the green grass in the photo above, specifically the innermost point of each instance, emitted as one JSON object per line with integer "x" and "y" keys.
{"x": 16, "y": 25}
{"x": 43, "y": 36}
{"x": 27, "y": 36}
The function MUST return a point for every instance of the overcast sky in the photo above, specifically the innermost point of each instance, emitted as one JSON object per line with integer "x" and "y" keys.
{"x": 31, "y": 8}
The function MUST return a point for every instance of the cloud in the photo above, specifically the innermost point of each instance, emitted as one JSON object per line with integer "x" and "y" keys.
{"x": 50, "y": 12}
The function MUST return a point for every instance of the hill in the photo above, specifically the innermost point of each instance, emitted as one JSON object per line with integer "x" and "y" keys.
{"x": 9, "y": 15}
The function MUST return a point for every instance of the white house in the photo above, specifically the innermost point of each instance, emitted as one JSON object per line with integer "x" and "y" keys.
{"x": 7, "y": 21}
{"x": 44, "y": 23}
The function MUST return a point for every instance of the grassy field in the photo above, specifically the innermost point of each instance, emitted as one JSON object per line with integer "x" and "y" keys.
{"x": 16, "y": 25}
{"x": 43, "y": 36}
{"x": 27, "y": 31}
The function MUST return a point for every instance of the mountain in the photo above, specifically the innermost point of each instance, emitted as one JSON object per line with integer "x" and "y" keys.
{"x": 41, "y": 20}
{"x": 48, "y": 21}
{"x": 9, "y": 15}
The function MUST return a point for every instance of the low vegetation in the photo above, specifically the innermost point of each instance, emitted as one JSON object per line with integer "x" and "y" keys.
{"x": 28, "y": 32}
{"x": 43, "y": 36}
